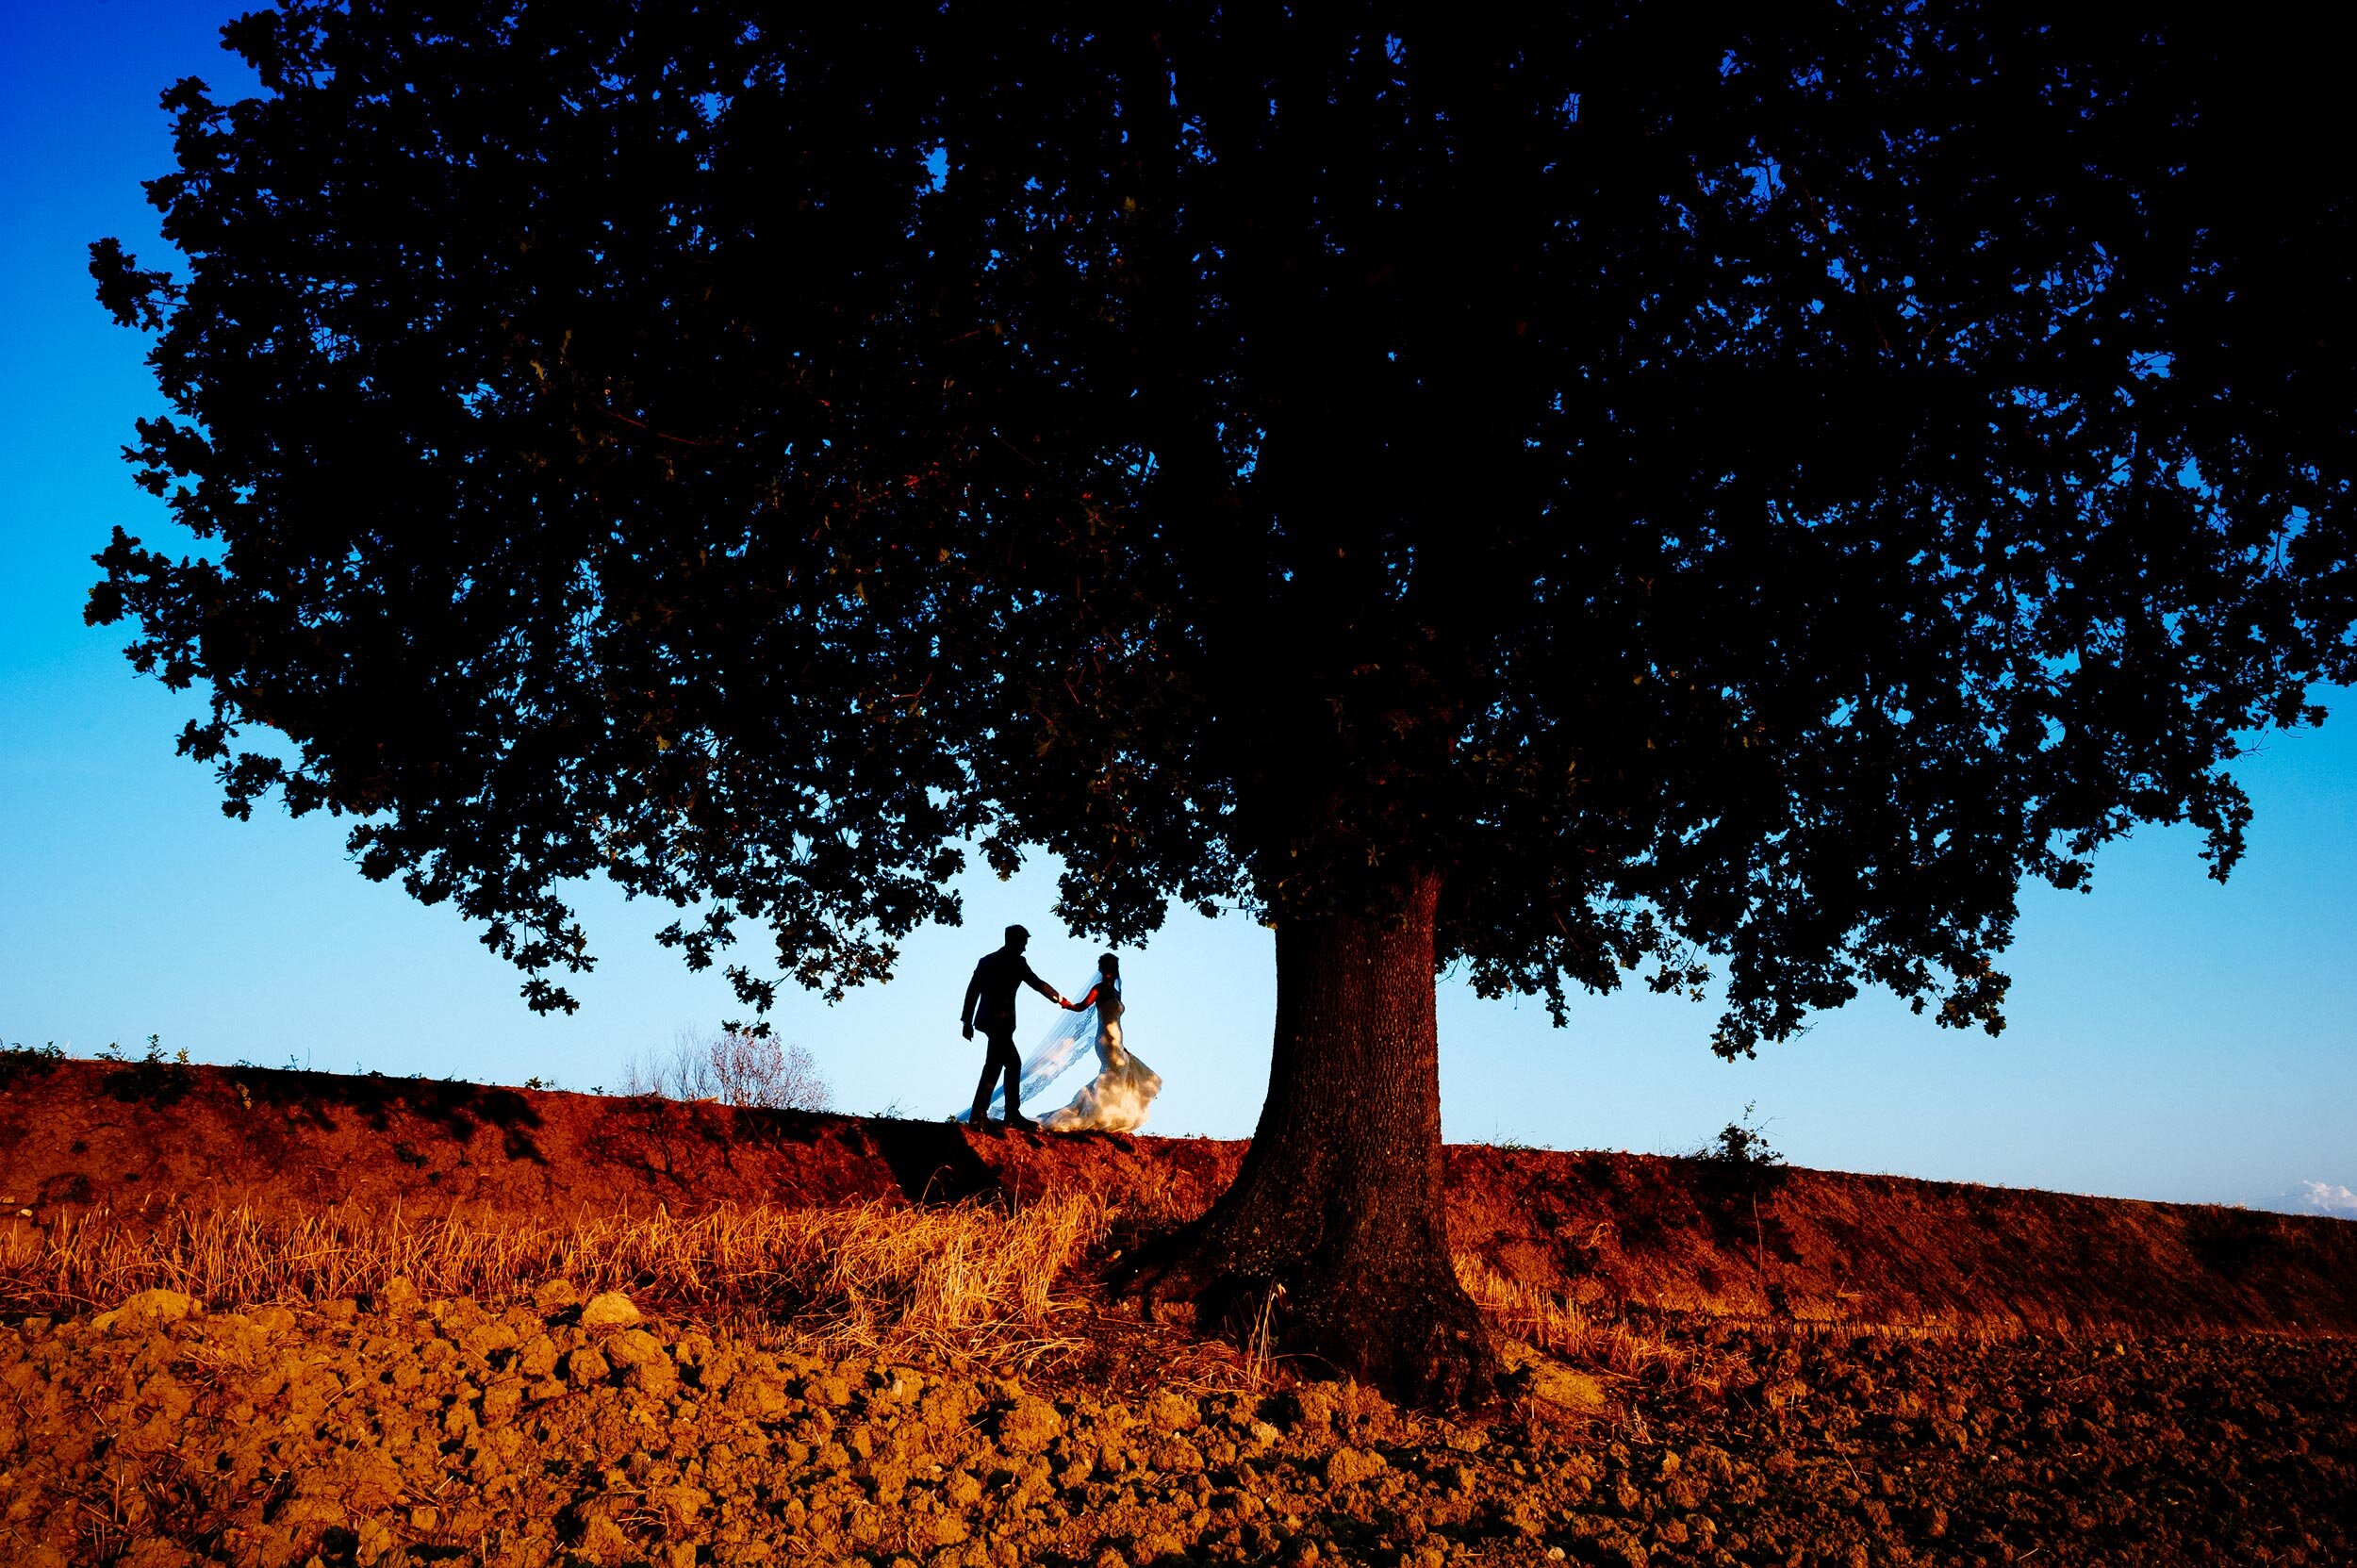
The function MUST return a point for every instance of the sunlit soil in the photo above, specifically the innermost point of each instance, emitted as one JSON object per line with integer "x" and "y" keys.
{"x": 544, "y": 1328}
{"x": 405, "y": 1430}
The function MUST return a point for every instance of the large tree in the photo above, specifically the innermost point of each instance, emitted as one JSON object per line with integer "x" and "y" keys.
{"x": 1632, "y": 489}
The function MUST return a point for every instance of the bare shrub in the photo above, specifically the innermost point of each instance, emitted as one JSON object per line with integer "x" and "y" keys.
{"x": 682, "y": 1072}
{"x": 759, "y": 1069}
{"x": 734, "y": 1066}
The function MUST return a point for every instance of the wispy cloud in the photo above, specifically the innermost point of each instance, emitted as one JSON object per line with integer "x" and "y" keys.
{"x": 2329, "y": 1199}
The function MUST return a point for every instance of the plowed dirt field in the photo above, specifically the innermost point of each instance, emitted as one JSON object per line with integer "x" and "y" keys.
{"x": 738, "y": 1338}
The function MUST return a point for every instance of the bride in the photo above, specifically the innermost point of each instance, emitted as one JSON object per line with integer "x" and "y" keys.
{"x": 1116, "y": 1099}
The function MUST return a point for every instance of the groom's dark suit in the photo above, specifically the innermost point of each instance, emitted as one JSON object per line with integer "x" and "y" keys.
{"x": 989, "y": 1007}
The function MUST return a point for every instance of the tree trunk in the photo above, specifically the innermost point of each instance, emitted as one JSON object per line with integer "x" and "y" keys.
{"x": 1340, "y": 1203}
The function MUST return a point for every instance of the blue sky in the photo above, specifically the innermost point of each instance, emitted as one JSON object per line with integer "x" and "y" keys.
{"x": 2170, "y": 1038}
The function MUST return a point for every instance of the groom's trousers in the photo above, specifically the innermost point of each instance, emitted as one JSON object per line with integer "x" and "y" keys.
{"x": 1001, "y": 1058}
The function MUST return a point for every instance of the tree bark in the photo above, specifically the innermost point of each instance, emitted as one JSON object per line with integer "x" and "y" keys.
{"x": 1335, "y": 1234}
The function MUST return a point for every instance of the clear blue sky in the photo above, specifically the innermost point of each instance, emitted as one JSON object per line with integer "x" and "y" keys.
{"x": 2169, "y": 1039}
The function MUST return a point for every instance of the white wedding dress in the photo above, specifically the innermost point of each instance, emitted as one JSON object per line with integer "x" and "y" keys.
{"x": 1117, "y": 1098}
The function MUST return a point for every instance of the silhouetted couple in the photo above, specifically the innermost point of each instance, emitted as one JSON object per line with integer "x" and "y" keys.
{"x": 1116, "y": 1101}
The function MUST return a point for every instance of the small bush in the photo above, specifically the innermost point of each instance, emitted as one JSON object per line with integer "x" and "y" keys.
{"x": 22, "y": 1061}
{"x": 1741, "y": 1142}
{"x": 151, "y": 1079}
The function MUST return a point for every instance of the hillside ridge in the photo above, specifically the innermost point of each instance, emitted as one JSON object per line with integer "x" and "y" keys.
{"x": 1603, "y": 1233}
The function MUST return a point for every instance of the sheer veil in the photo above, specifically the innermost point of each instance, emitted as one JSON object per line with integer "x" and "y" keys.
{"x": 1064, "y": 1042}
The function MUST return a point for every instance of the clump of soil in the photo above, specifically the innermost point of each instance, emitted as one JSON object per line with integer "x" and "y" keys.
{"x": 399, "y": 1432}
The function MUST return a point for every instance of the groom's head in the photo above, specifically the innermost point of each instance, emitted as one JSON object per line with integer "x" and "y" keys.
{"x": 1017, "y": 938}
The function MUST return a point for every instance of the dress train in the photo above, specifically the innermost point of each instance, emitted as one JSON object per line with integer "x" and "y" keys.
{"x": 1117, "y": 1098}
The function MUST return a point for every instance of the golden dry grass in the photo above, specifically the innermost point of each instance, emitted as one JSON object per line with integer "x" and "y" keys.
{"x": 966, "y": 1272}
{"x": 1545, "y": 1320}
{"x": 971, "y": 1278}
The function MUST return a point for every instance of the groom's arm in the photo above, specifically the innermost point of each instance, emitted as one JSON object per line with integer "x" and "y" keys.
{"x": 1042, "y": 986}
{"x": 973, "y": 995}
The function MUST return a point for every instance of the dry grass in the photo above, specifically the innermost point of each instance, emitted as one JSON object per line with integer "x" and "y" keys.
{"x": 962, "y": 1276}
{"x": 1542, "y": 1319}
{"x": 970, "y": 1279}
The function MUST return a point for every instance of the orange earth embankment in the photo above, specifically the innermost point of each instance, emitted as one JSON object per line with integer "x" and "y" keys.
{"x": 1604, "y": 1232}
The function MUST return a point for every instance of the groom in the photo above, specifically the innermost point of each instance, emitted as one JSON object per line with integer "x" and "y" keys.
{"x": 990, "y": 1002}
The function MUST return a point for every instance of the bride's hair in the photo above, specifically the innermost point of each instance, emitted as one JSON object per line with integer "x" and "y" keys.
{"x": 1109, "y": 965}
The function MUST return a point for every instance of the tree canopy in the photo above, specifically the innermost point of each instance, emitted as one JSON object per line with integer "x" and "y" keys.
{"x": 1738, "y": 486}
